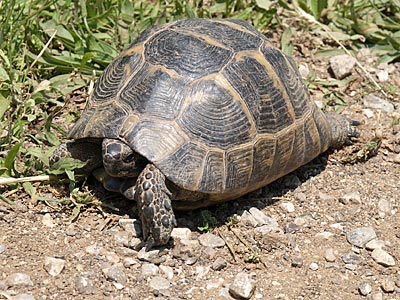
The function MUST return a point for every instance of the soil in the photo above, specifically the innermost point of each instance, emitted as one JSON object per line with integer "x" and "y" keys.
{"x": 308, "y": 256}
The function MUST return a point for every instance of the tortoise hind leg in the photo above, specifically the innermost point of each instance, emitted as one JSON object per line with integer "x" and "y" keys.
{"x": 154, "y": 206}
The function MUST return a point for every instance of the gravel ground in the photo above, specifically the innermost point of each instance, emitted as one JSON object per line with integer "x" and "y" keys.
{"x": 330, "y": 230}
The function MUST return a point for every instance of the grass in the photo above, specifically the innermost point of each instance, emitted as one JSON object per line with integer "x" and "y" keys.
{"x": 52, "y": 50}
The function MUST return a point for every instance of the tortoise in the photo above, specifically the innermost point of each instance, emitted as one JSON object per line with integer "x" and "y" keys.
{"x": 196, "y": 112}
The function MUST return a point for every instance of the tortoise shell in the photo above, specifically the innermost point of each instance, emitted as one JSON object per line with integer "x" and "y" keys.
{"x": 211, "y": 103}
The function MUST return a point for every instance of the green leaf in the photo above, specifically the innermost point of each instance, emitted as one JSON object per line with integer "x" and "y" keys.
{"x": 30, "y": 190}
{"x": 4, "y": 104}
{"x": 75, "y": 213}
{"x": 66, "y": 164}
{"x": 10, "y": 158}
{"x": 286, "y": 45}
{"x": 317, "y": 6}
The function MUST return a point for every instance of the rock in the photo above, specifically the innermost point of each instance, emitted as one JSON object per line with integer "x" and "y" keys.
{"x": 24, "y": 297}
{"x": 325, "y": 235}
{"x": 383, "y": 258}
{"x": 211, "y": 240}
{"x": 149, "y": 270}
{"x": 368, "y": 113}
{"x": 304, "y": 220}
{"x": 129, "y": 261}
{"x": 262, "y": 218}
{"x": 297, "y": 262}
{"x": 304, "y": 71}
{"x": 94, "y": 249}
{"x": 18, "y": 279}
{"x": 2, "y": 248}
{"x": 388, "y": 285}
{"x": 248, "y": 219}
{"x": 350, "y": 258}
{"x": 214, "y": 284}
{"x": 351, "y": 198}
{"x": 330, "y": 255}
{"x": 224, "y": 294}
{"x": 122, "y": 238}
{"x": 314, "y": 266}
{"x": 190, "y": 261}
{"x": 382, "y": 75}
{"x": 374, "y": 244}
{"x": 112, "y": 257}
{"x": 287, "y": 206}
{"x": 115, "y": 273}
{"x": 167, "y": 271}
{"x": 374, "y": 102}
{"x": 47, "y": 221}
{"x": 242, "y": 286}
{"x": 219, "y": 264}
{"x": 377, "y": 296}
{"x": 361, "y": 236}
{"x": 148, "y": 256}
{"x": 54, "y": 266}
{"x": 159, "y": 283}
{"x": 84, "y": 285}
{"x": 181, "y": 233}
{"x": 365, "y": 288}
{"x": 292, "y": 228}
{"x": 384, "y": 206}
{"x": 266, "y": 229}
{"x": 342, "y": 65}
{"x": 132, "y": 226}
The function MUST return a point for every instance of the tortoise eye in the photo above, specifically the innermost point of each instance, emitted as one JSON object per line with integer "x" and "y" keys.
{"x": 129, "y": 158}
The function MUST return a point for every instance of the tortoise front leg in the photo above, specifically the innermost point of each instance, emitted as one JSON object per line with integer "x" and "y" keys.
{"x": 154, "y": 206}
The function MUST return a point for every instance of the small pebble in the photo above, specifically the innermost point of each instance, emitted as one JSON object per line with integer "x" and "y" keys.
{"x": 148, "y": 256}
{"x": 287, "y": 206}
{"x": 342, "y": 65}
{"x": 149, "y": 270}
{"x": 297, "y": 262}
{"x": 84, "y": 285}
{"x": 211, "y": 240}
{"x": 377, "y": 296}
{"x": 47, "y": 220}
{"x": 374, "y": 244}
{"x": 248, "y": 219}
{"x": 159, "y": 283}
{"x": 18, "y": 279}
{"x": 361, "y": 236}
{"x": 115, "y": 273}
{"x": 325, "y": 235}
{"x": 384, "y": 206}
{"x": 129, "y": 261}
{"x": 132, "y": 226}
{"x": 350, "y": 258}
{"x": 351, "y": 198}
{"x": 330, "y": 255}
{"x": 388, "y": 285}
{"x": 242, "y": 286}
{"x": 262, "y": 218}
{"x": 314, "y": 266}
{"x": 2, "y": 248}
{"x": 292, "y": 228}
{"x": 181, "y": 233}
{"x": 24, "y": 297}
{"x": 219, "y": 264}
{"x": 374, "y": 102}
{"x": 122, "y": 238}
{"x": 365, "y": 288}
{"x": 54, "y": 266}
{"x": 167, "y": 271}
{"x": 383, "y": 258}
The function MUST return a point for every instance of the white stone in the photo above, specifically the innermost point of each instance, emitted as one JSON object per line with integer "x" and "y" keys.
{"x": 54, "y": 266}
